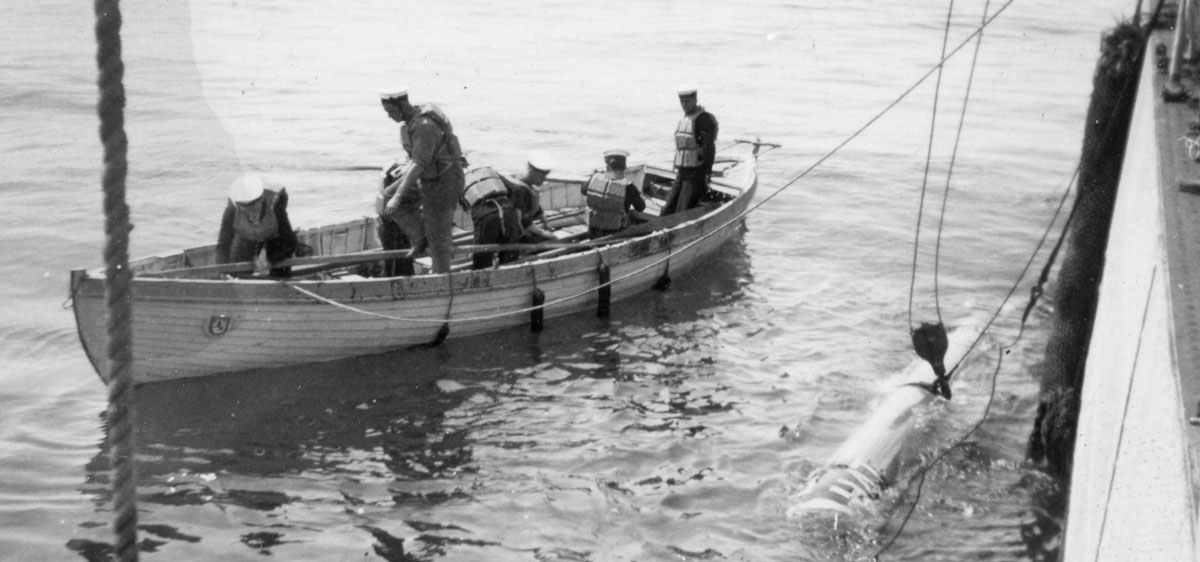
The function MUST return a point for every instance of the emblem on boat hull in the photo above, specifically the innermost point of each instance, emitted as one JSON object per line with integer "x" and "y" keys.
{"x": 218, "y": 325}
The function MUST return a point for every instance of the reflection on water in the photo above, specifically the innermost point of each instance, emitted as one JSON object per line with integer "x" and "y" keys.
{"x": 432, "y": 451}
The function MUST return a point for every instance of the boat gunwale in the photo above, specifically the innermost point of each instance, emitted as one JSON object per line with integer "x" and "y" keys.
{"x": 86, "y": 283}
{"x": 573, "y": 275}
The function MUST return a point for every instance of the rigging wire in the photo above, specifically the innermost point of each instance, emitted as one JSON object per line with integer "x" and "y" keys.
{"x": 937, "y": 89}
{"x": 734, "y": 220}
{"x": 1109, "y": 127}
{"x": 1035, "y": 294}
{"x": 962, "y": 117}
{"x": 903, "y": 95}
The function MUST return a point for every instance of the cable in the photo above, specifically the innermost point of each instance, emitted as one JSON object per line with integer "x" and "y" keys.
{"x": 1004, "y": 350}
{"x": 937, "y": 89}
{"x": 962, "y": 117}
{"x": 737, "y": 218}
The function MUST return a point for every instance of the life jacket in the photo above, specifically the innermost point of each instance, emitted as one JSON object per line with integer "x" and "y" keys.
{"x": 606, "y": 203}
{"x": 688, "y": 153}
{"x": 482, "y": 183}
{"x": 450, "y": 152}
{"x": 264, "y": 227}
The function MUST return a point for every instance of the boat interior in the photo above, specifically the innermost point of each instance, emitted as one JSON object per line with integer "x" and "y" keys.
{"x": 562, "y": 199}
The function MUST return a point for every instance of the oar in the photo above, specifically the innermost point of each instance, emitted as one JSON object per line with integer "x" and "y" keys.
{"x": 375, "y": 255}
{"x": 361, "y": 257}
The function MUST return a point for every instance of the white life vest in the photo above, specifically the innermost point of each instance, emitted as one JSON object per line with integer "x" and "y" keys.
{"x": 606, "y": 203}
{"x": 688, "y": 153}
{"x": 482, "y": 183}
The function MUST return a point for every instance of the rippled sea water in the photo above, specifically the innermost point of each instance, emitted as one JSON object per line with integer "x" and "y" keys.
{"x": 678, "y": 429}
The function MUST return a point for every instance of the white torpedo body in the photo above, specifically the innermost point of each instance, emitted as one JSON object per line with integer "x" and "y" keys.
{"x": 870, "y": 459}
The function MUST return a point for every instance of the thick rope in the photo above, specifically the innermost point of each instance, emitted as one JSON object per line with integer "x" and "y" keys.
{"x": 111, "y": 109}
{"x": 925, "y": 176}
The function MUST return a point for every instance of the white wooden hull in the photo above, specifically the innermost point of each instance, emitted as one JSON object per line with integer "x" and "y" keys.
{"x": 196, "y": 327}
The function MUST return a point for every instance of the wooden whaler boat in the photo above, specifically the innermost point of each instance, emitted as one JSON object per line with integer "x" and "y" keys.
{"x": 190, "y": 320}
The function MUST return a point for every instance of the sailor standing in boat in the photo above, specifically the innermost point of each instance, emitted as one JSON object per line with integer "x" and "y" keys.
{"x": 256, "y": 222}
{"x": 493, "y": 217}
{"x": 695, "y": 152}
{"x": 526, "y": 199}
{"x": 425, "y": 199}
{"x": 610, "y": 197}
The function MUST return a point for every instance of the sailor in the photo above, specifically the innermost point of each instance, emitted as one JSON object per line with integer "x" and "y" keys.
{"x": 523, "y": 191}
{"x": 493, "y": 217}
{"x": 424, "y": 201}
{"x": 695, "y": 151}
{"x": 391, "y": 236}
{"x": 256, "y": 222}
{"x": 610, "y": 197}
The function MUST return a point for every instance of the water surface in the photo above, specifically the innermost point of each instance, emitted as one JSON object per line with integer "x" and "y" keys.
{"x": 675, "y": 430}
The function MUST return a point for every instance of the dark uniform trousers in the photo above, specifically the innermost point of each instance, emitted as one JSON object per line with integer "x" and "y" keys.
{"x": 496, "y": 222}
{"x": 392, "y": 237}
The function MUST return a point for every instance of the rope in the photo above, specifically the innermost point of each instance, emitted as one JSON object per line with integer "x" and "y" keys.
{"x": 941, "y": 454}
{"x": 891, "y": 105}
{"x": 925, "y": 177}
{"x": 1112, "y": 478}
{"x": 111, "y": 110}
{"x": 962, "y": 118}
{"x": 1035, "y": 294}
{"x": 674, "y": 251}
{"x": 1193, "y": 147}
{"x": 1037, "y": 290}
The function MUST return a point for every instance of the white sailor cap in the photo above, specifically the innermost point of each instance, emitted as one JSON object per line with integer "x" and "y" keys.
{"x": 394, "y": 94}
{"x": 616, "y": 153}
{"x": 687, "y": 90}
{"x": 541, "y": 161}
{"x": 246, "y": 188}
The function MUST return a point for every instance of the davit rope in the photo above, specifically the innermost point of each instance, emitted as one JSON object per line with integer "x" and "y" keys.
{"x": 929, "y": 340}
{"x": 1035, "y": 294}
{"x": 534, "y": 309}
{"x": 119, "y": 419}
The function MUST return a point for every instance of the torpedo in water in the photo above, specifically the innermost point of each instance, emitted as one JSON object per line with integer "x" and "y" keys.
{"x": 869, "y": 461}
